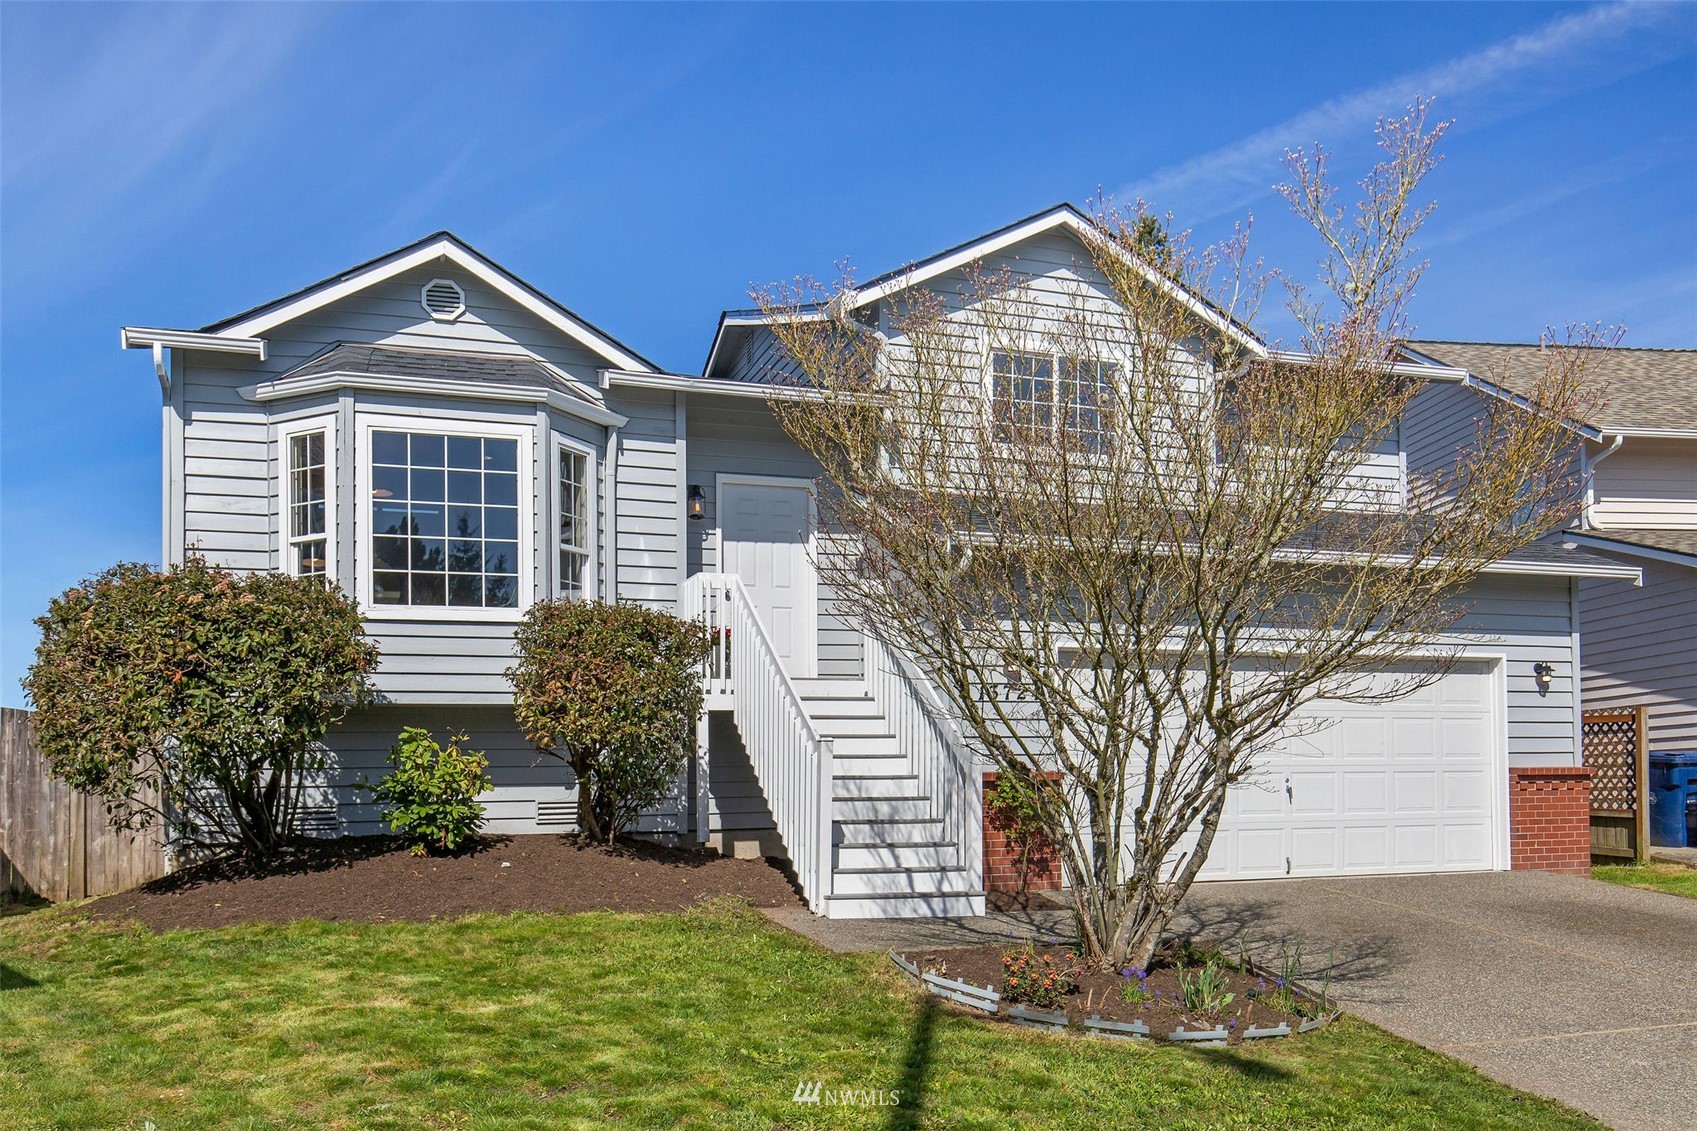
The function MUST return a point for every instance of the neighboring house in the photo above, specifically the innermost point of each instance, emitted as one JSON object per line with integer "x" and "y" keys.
{"x": 1639, "y": 457}
{"x": 449, "y": 445}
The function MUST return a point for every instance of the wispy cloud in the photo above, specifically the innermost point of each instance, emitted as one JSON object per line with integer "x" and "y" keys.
{"x": 140, "y": 111}
{"x": 1564, "y": 55}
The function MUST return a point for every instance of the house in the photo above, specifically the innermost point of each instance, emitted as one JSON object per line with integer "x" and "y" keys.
{"x": 1639, "y": 457}
{"x": 449, "y": 444}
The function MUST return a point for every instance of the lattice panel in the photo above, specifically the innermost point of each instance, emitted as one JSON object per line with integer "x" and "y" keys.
{"x": 1611, "y": 750}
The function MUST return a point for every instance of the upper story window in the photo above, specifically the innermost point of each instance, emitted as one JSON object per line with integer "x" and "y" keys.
{"x": 308, "y": 500}
{"x": 445, "y": 525}
{"x": 574, "y": 522}
{"x": 1033, "y": 394}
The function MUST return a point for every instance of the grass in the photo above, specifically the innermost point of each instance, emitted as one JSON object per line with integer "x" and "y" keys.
{"x": 708, "y": 1019}
{"x": 1675, "y": 879}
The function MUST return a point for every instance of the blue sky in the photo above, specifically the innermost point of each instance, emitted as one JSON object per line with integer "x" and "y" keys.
{"x": 167, "y": 166}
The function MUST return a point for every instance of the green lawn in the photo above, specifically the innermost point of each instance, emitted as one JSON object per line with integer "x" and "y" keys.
{"x": 1675, "y": 879}
{"x": 702, "y": 1020}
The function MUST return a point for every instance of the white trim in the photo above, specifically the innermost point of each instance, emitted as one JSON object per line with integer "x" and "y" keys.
{"x": 145, "y": 337}
{"x": 809, "y": 548}
{"x": 1654, "y": 433}
{"x": 560, "y": 401}
{"x": 525, "y": 434}
{"x": 674, "y": 382}
{"x": 558, "y": 442}
{"x": 443, "y": 247}
{"x": 1597, "y": 542}
{"x": 287, "y": 430}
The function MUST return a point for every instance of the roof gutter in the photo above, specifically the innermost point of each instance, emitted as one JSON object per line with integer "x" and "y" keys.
{"x": 1588, "y": 515}
{"x": 677, "y": 383}
{"x": 145, "y": 337}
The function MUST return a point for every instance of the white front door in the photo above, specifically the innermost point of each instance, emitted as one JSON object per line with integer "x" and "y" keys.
{"x": 1405, "y": 786}
{"x": 764, "y": 530}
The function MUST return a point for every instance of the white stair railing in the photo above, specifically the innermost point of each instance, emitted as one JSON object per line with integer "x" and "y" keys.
{"x": 791, "y": 761}
{"x": 933, "y": 747}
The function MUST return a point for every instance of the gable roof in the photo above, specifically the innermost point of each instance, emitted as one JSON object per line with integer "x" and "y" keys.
{"x": 734, "y": 324}
{"x": 438, "y": 245}
{"x": 1649, "y": 391}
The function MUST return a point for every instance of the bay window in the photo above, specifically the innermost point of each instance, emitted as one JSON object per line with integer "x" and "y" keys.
{"x": 446, "y": 526}
{"x": 308, "y": 499}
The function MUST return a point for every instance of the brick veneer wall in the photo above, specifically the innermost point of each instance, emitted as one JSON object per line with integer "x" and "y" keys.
{"x": 1549, "y": 819}
{"x": 1002, "y": 864}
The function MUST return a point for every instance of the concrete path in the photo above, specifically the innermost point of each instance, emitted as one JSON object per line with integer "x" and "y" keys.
{"x": 1582, "y": 991}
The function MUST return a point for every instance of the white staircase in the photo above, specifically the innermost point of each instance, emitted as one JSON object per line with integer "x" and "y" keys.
{"x": 873, "y": 797}
{"x": 893, "y": 852}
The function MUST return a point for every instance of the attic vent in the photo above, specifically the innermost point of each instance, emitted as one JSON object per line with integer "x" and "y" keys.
{"x": 443, "y": 299}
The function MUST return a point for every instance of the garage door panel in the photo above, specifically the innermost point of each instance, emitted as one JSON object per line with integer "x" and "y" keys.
{"x": 1406, "y": 786}
{"x": 1366, "y": 791}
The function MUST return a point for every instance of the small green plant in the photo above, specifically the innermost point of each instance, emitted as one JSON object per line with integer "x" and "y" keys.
{"x": 1037, "y": 979}
{"x": 430, "y": 796}
{"x": 1135, "y": 989}
{"x": 1204, "y": 989}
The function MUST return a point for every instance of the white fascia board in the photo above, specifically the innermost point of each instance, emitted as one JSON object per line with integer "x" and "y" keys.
{"x": 1654, "y": 433}
{"x": 1061, "y": 217}
{"x": 444, "y": 248}
{"x": 673, "y": 382}
{"x": 145, "y": 337}
{"x": 1423, "y": 370}
{"x": 1633, "y": 549}
{"x": 267, "y": 391}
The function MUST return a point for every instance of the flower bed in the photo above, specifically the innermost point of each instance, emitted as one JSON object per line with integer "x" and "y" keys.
{"x": 1188, "y": 997}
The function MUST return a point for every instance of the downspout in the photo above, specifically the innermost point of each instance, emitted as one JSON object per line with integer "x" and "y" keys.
{"x": 1587, "y": 518}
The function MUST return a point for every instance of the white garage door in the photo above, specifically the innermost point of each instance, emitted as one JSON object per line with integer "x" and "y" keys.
{"x": 1407, "y": 786}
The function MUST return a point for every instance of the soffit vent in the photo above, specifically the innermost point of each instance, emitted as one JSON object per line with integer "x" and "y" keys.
{"x": 443, "y": 299}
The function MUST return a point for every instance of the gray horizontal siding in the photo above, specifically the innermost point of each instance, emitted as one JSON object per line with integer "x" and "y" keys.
{"x": 734, "y": 797}
{"x": 1529, "y": 619}
{"x": 1639, "y": 647}
{"x": 646, "y": 536}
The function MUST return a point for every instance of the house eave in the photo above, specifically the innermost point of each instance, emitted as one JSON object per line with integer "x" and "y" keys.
{"x": 146, "y": 337}
{"x": 1631, "y": 549}
{"x": 284, "y": 389}
{"x": 678, "y": 383}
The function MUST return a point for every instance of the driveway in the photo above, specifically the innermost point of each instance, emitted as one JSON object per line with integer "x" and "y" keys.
{"x": 1582, "y": 991}
{"x": 1578, "y": 990}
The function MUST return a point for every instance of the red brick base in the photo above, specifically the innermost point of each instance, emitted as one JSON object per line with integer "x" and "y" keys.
{"x": 1549, "y": 819}
{"x": 1002, "y": 871}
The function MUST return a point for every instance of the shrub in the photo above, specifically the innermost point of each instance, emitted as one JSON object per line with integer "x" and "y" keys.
{"x": 615, "y": 691}
{"x": 430, "y": 796}
{"x": 1037, "y": 979}
{"x": 195, "y": 697}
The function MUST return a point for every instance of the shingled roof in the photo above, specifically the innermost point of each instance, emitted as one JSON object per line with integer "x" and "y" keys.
{"x": 360, "y": 359}
{"x": 1646, "y": 389}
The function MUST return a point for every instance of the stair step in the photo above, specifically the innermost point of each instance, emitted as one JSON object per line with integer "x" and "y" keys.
{"x": 858, "y": 726}
{"x": 834, "y": 708}
{"x": 936, "y": 854}
{"x": 854, "y": 745}
{"x": 867, "y": 765}
{"x": 885, "y": 830}
{"x": 845, "y": 787}
{"x": 901, "y": 881}
{"x": 882, "y": 809}
{"x": 825, "y": 687}
{"x": 914, "y": 905}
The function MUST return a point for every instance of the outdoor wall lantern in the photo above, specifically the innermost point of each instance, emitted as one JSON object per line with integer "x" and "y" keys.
{"x": 697, "y": 502}
{"x": 1544, "y": 673}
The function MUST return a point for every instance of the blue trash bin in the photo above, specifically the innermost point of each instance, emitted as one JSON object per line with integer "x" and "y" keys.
{"x": 1673, "y": 798}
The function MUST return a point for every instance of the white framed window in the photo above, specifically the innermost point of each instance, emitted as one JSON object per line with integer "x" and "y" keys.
{"x": 306, "y": 452}
{"x": 1033, "y": 393}
{"x": 574, "y": 508}
{"x": 446, "y": 512}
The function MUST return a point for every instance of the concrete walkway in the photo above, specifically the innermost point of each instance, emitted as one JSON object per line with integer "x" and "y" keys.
{"x": 1582, "y": 991}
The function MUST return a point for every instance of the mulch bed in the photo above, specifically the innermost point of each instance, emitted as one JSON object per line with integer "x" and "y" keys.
{"x": 374, "y": 879}
{"x": 1101, "y": 992}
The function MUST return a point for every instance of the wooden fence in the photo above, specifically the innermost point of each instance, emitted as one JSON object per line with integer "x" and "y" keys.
{"x": 1618, "y": 752}
{"x": 54, "y": 841}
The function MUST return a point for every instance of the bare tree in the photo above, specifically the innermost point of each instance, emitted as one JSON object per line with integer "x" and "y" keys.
{"x": 1129, "y": 541}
